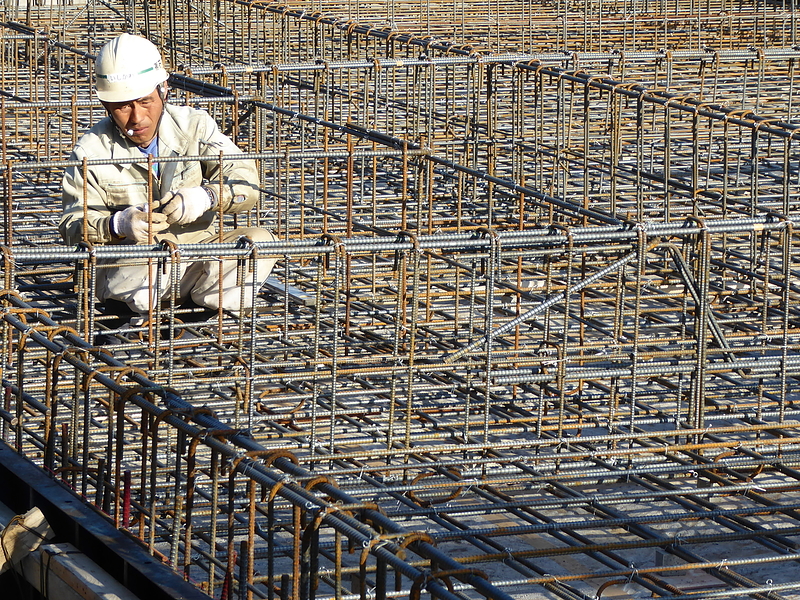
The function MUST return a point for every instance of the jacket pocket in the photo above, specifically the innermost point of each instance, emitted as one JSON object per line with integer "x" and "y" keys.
{"x": 187, "y": 175}
{"x": 125, "y": 194}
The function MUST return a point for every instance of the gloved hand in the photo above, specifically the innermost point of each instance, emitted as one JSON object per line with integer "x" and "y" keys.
{"x": 134, "y": 222}
{"x": 185, "y": 205}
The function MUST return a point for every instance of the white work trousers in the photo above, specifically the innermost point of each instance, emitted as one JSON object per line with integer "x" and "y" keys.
{"x": 132, "y": 282}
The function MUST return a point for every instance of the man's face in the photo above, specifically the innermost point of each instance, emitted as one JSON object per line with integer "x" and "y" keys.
{"x": 138, "y": 118}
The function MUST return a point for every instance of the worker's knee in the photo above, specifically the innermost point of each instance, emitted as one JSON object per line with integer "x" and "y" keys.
{"x": 255, "y": 234}
{"x": 136, "y": 285}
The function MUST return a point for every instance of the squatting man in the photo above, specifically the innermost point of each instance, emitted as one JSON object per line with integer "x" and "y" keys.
{"x": 121, "y": 203}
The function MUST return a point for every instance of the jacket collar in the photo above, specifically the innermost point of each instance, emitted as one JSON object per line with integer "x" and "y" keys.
{"x": 171, "y": 142}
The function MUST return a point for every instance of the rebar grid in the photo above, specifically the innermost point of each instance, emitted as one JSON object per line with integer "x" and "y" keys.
{"x": 668, "y": 148}
{"x": 600, "y": 384}
{"x": 665, "y": 153}
{"x": 309, "y": 29}
{"x": 575, "y": 26}
{"x": 540, "y": 328}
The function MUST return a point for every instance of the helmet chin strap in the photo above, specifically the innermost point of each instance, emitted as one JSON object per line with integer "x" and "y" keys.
{"x": 163, "y": 91}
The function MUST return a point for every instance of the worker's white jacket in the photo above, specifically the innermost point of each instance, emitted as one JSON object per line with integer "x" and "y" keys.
{"x": 108, "y": 188}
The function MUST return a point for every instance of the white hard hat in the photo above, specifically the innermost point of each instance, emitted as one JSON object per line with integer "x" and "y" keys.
{"x": 128, "y": 68}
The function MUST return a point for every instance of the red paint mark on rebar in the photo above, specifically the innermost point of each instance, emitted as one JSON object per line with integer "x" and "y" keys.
{"x": 226, "y": 586}
{"x": 126, "y": 499}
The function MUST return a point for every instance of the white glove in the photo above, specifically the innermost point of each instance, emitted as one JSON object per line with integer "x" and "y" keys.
{"x": 185, "y": 205}
{"x": 136, "y": 221}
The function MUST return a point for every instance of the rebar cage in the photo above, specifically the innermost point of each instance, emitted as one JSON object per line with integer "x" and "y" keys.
{"x": 532, "y": 332}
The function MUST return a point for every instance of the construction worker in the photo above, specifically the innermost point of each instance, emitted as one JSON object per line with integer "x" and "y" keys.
{"x": 120, "y": 202}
